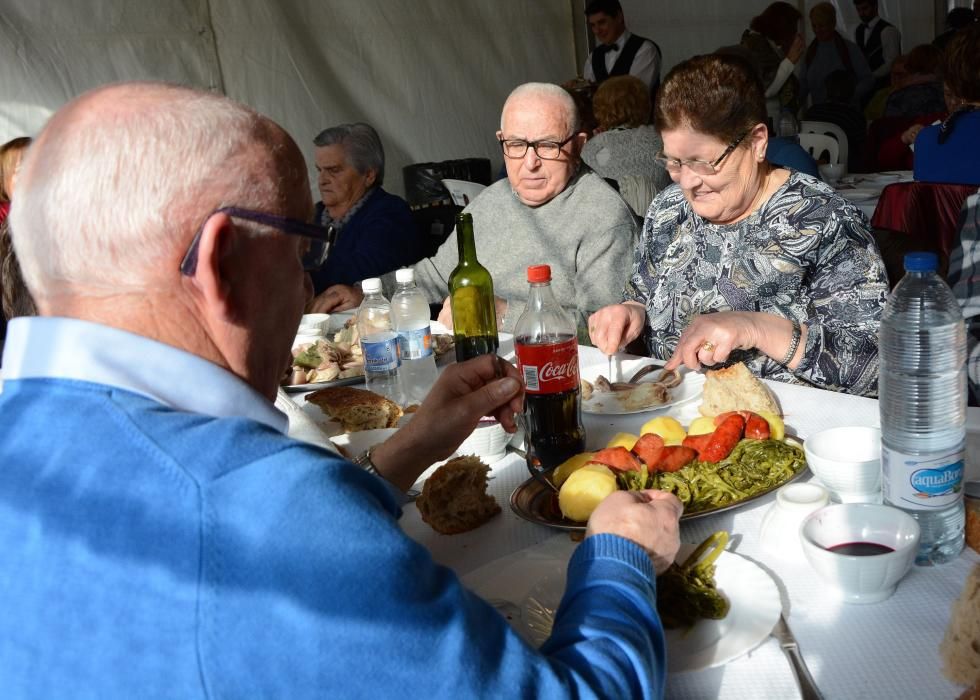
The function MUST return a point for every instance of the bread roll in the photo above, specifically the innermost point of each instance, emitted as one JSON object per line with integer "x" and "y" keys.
{"x": 960, "y": 648}
{"x": 735, "y": 388}
{"x": 356, "y": 409}
{"x": 455, "y": 499}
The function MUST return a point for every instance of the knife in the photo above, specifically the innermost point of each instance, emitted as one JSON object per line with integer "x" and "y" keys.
{"x": 787, "y": 642}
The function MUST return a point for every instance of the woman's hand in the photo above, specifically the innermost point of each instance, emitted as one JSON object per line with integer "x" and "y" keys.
{"x": 613, "y": 327}
{"x": 337, "y": 297}
{"x": 908, "y": 136}
{"x": 710, "y": 338}
{"x": 796, "y": 49}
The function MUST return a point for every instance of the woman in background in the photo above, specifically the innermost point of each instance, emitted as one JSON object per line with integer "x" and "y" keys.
{"x": 16, "y": 300}
{"x": 775, "y": 45}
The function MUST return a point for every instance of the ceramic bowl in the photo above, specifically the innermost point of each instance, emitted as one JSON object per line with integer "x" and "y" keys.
{"x": 314, "y": 324}
{"x": 832, "y": 172}
{"x": 848, "y": 462}
{"x": 779, "y": 533}
{"x": 488, "y": 441}
{"x": 860, "y": 578}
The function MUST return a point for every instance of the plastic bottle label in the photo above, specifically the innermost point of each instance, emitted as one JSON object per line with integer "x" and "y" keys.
{"x": 921, "y": 482}
{"x": 549, "y": 368}
{"x": 380, "y": 356}
{"x": 415, "y": 343}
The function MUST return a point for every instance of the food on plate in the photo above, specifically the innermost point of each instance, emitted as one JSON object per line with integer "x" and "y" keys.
{"x": 686, "y": 592}
{"x": 585, "y": 489}
{"x": 324, "y": 361}
{"x": 356, "y": 409}
{"x": 705, "y": 471}
{"x": 960, "y": 648}
{"x": 735, "y": 388}
{"x": 455, "y": 499}
{"x": 666, "y": 427}
{"x": 702, "y": 425}
{"x": 634, "y": 394}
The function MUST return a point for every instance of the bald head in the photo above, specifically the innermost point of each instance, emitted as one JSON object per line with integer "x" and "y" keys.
{"x": 120, "y": 178}
{"x": 552, "y": 97}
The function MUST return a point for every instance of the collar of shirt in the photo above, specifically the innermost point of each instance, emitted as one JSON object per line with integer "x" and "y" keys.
{"x": 617, "y": 46}
{"x": 67, "y": 348}
{"x": 870, "y": 24}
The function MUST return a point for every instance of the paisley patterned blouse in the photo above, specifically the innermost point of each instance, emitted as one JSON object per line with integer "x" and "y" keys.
{"x": 807, "y": 254}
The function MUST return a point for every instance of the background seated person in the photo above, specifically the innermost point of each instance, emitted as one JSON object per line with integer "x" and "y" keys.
{"x": 741, "y": 260}
{"x": 548, "y": 210}
{"x": 963, "y": 277}
{"x": 15, "y": 300}
{"x": 922, "y": 90}
{"x": 172, "y": 540}
{"x": 839, "y": 109}
{"x": 950, "y": 152}
{"x": 625, "y": 146}
{"x": 375, "y": 230}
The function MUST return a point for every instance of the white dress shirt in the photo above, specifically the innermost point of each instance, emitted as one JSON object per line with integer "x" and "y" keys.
{"x": 646, "y": 63}
{"x": 891, "y": 46}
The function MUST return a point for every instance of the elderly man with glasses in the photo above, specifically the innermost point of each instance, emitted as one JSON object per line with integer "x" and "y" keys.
{"x": 159, "y": 535}
{"x": 549, "y": 209}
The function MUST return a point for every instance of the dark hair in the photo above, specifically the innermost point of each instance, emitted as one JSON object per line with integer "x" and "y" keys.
{"x": 840, "y": 86}
{"x": 923, "y": 59}
{"x": 960, "y": 17}
{"x": 362, "y": 145}
{"x": 958, "y": 65}
{"x": 609, "y": 7}
{"x": 10, "y": 155}
{"x": 866, "y": 2}
{"x": 622, "y": 101}
{"x": 779, "y": 22}
{"x": 717, "y": 95}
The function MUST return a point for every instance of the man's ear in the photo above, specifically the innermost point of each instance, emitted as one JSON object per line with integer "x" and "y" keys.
{"x": 371, "y": 177}
{"x": 211, "y": 279}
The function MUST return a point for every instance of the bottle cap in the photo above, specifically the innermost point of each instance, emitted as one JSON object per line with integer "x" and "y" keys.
{"x": 921, "y": 262}
{"x": 404, "y": 275}
{"x": 539, "y": 273}
{"x": 372, "y": 285}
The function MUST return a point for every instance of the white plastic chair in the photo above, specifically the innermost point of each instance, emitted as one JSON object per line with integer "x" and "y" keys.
{"x": 827, "y": 129}
{"x": 462, "y": 191}
{"x": 818, "y": 144}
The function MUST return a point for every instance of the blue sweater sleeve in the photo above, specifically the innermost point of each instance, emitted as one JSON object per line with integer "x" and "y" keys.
{"x": 309, "y": 587}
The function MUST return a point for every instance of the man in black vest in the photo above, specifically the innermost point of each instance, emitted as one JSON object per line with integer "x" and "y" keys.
{"x": 618, "y": 52}
{"x": 880, "y": 41}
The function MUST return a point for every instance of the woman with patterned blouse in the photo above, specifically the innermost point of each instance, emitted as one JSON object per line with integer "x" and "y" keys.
{"x": 741, "y": 260}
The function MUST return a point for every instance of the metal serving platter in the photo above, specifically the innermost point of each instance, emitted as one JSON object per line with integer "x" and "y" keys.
{"x": 538, "y": 503}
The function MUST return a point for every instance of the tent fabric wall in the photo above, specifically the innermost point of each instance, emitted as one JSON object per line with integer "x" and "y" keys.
{"x": 430, "y": 75}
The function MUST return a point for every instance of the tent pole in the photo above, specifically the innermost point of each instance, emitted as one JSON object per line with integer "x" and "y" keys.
{"x": 218, "y": 78}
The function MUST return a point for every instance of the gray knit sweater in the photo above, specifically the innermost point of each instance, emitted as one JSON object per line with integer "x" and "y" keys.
{"x": 587, "y": 234}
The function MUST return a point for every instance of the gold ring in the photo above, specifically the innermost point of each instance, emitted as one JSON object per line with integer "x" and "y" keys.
{"x": 708, "y": 346}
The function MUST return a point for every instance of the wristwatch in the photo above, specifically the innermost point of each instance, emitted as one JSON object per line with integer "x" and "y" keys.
{"x": 364, "y": 461}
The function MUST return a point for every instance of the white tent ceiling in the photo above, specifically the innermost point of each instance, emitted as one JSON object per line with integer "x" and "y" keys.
{"x": 430, "y": 75}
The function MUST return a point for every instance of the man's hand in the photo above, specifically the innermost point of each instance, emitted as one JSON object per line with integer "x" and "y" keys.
{"x": 446, "y": 314}
{"x": 650, "y": 518}
{"x": 464, "y": 393}
{"x": 337, "y": 297}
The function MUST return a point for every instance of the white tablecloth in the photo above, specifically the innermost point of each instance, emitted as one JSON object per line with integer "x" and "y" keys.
{"x": 887, "y": 650}
{"x": 864, "y": 189}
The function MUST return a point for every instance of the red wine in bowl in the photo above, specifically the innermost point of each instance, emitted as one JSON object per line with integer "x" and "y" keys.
{"x": 860, "y": 549}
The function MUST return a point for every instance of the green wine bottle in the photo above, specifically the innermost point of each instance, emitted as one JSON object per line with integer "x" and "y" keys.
{"x": 471, "y": 298}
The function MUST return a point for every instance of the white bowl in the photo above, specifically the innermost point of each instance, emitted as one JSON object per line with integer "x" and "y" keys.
{"x": 488, "y": 441}
{"x": 780, "y": 531}
{"x": 832, "y": 172}
{"x": 314, "y": 324}
{"x": 848, "y": 462}
{"x": 868, "y": 578}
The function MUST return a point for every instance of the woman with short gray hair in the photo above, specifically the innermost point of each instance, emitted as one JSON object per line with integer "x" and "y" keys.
{"x": 375, "y": 230}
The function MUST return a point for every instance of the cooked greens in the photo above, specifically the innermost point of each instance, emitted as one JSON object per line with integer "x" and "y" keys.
{"x": 686, "y": 593}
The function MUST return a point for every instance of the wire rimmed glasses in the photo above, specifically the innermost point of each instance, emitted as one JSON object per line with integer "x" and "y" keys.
{"x": 701, "y": 167}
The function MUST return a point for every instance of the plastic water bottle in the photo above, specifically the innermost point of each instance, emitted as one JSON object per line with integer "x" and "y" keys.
{"x": 922, "y": 392}
{"x": 379, "y": 342}
{"x": 410, "y": 317}
{"x": 788, "y": 128}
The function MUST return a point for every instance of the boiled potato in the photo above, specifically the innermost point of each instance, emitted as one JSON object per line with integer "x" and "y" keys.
{"x": 777, "y": 429}
{"x": 584, "y": 490}
{"x": 626, "y": 440}
{"x": 702, "y": 425}
{"x": 570, "y": 465}
{"x": 666, "y": 427}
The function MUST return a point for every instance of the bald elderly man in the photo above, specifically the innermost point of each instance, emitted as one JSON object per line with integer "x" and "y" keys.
{"x": 549, "y": 210}
{"x": 160, "y": 535}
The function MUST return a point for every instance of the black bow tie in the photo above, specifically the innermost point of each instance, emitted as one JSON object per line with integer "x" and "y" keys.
{"x": 603, "y": 49}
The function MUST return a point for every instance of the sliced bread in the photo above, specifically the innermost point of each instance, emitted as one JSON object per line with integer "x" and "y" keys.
{"x": 356, "y": 409}
{"x": 735, "y": 388}
{"x": 455, "y": 499}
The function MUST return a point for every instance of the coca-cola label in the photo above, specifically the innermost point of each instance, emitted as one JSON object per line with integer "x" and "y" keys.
{"x": 549, "y": 368}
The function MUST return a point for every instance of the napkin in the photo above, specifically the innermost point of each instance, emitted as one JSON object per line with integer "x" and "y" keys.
{"x": 301, "y": 426}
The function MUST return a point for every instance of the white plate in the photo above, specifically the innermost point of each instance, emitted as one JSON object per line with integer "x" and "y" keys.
{"x": 755, "y": 608}
{"x": 860, "y": 194}
{"x": 334, "y": 323}
{"x": 611, "y": 403}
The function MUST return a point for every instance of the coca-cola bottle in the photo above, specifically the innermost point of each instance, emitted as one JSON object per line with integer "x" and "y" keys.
{"x": 547, "y": 357}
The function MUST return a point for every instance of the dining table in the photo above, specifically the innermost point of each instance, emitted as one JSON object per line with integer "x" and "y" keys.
{"x": 887, "y": 650}
{"x": 864, "y": 189}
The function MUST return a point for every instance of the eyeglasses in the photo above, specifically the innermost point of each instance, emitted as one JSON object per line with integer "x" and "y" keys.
{"x": 701, "y": 167}
{"x": 546, "y": 150}
{"x": 323, "y": 236}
